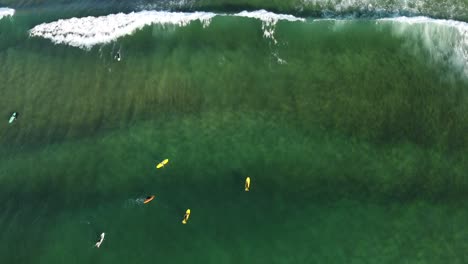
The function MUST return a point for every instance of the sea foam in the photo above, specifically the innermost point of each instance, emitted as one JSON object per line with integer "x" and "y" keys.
{"x": 89, "y": 31}
{"x": 269, "y": 20}
{"x": 371, "y": 8}
{"x": 446, "y": 41}
{"x": 4, "y": 12}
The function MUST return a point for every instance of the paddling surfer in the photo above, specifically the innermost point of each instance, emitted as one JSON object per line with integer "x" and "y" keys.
{"x": 98, "y": 244}
{"x": 149, "y": 199}
{"x": 186, "y": 217}
{"x": 13, "y": 117}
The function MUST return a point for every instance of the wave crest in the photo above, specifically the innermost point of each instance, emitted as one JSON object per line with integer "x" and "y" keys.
{"x": 446, "y": 41}
{"x": 269, "y": 20}
{"x": 4, "y": 12}
{"x": 88, "y": 31}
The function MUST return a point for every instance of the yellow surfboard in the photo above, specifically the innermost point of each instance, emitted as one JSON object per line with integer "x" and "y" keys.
{"x": 247, "y": 184}
{"x": 162, "y": 163}
{"x": 186, "y": 216}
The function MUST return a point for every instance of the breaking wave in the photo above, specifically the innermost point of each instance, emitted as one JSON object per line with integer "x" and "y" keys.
{"x": 445, "y": 41}
{"x": 89, "y": 31}
{"x": 5, "y": 12}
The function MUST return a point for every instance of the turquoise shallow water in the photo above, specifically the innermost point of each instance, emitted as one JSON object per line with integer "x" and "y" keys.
{"x": 352, "y": 130}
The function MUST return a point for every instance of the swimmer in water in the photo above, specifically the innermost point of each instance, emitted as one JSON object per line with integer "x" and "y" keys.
{"x": 98, "y": 244}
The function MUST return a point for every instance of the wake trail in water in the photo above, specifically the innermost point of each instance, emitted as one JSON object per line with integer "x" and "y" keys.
{"x": 134, "y": 202}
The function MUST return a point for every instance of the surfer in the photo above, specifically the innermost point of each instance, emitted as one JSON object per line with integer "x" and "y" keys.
{"x": 13, "y": 117}
{"x": 247, "y": 184}
{"x": 98, "y": 244}
{"x": 149, "y": 199}
{"x": 162, "y": 164}
{"x": 117, "y": 56}
{"x": 186, "y": 216}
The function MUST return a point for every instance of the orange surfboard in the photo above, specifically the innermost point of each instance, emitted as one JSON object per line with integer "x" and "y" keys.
{"x": 149, "y": 199}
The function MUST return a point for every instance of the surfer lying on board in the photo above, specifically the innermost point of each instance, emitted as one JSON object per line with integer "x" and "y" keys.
{"x": 149, "y": 199}
{"x": 162, "y": 164}
{"x": 98, "y": 244}
{"x": 186, "y": 217}
{"x": 247, "y": 184}
{"x": 13, "y": 117}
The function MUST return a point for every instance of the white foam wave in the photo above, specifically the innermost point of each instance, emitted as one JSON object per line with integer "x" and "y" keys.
{"x": 446, "y": 8}
{"x": 446, "y": 41}
{"x": 268, "y": 17}
{"x": 367, "y": 5}
{"x": 4, "y": 12}
{"x": 164, "y": 5}
{"x": 88, "y": 31}
{"x": 269, "y": 20}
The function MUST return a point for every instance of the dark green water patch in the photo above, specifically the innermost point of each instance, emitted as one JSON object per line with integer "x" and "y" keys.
{"x": 220, "y": 149}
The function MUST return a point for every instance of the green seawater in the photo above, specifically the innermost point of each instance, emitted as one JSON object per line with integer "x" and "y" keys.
{"x": 354, "y": 133}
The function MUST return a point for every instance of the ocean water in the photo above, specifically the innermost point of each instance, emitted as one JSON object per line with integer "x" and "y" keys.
{"x": 350, "y": 117}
